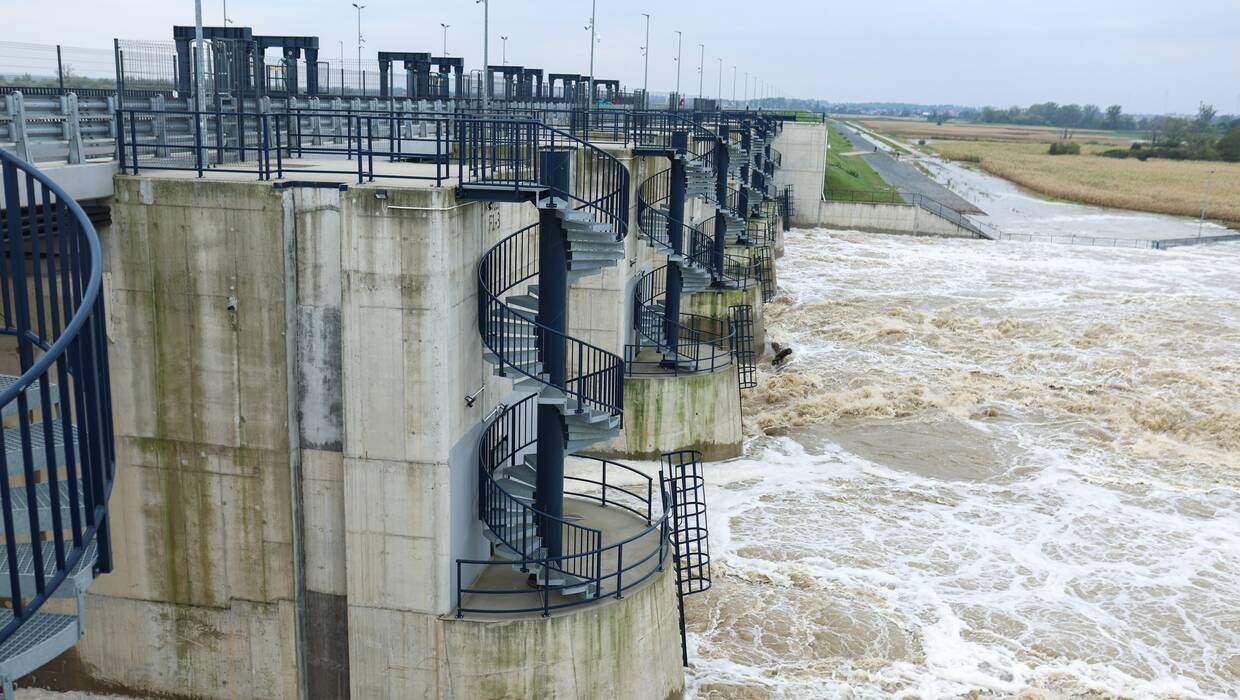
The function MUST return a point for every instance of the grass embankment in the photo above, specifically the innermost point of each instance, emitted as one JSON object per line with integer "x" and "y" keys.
{"x": 1019, "y": 154}
{"x": 849, "y": 178}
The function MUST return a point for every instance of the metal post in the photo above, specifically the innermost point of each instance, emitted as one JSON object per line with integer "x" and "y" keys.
{"x": 721, "y": 196}
{"x": 60, "y": 70}
{"x": 675, "y": 235}
{"x": 552, "y": 314}
{"x": 719, "y": 95}
{"x": 200, "y": 95}
{"x": 733, "y": 86}
{"x": 486, "y": 55}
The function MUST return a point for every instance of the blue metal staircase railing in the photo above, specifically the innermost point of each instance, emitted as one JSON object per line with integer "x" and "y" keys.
{"x": 58, "y": 456}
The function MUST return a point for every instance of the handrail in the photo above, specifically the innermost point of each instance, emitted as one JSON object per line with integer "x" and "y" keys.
{"x": 509, "y": 436}
{"x": 505, "y": 151}
{"x": 53, "y": 251}
{"x": 631, "y": 568}
{"x": 595, "y": 376}
{"x": 697, "y": 243}
{"x": 703, "y": 343}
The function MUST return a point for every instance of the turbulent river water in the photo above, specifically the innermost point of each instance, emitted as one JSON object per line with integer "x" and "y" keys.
{"x": 992, "y": 469}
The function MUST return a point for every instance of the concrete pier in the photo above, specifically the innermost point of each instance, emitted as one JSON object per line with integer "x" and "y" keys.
{"x": 297, "y": 464}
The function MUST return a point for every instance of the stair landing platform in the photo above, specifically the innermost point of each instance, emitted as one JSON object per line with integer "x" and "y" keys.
{"x": 616, "y": 523}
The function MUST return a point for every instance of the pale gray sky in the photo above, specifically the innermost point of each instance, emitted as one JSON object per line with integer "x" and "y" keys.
{"x": 1145, "y": 54}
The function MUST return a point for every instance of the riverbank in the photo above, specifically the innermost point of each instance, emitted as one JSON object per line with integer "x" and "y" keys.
{"x": 1019, "y": 154}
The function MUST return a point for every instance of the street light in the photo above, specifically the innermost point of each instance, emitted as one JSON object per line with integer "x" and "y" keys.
{"x": 486, "y": 45}
{"x": 719, "y": 95}
{"x": 646, "y": 71}
{"x": 701, "y": 72}
{"x": 679, "y": 40}
{"x": 593, "y": 9}
{"x": 445, "y": 37}
{"x": 359, "y": 35}
{"x": 734, "y": 87}
{"x": 504, "y": 50}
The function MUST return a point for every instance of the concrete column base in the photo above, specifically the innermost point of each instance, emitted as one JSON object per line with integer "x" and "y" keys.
{"x": 670, "y": 412}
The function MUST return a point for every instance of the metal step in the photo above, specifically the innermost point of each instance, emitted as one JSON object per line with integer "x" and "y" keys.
{"x": 77, "y": 580}
{"x": 43, "y": 505}
{"x": 38, "y": 448}
{"x": 33, "y": 401}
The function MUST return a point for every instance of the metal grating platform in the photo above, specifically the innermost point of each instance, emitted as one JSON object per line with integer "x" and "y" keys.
{"x": 41, "y": 639}
{"x": 32, "y": 395}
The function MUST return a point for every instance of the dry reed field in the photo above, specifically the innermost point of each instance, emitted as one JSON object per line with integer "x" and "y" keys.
{"x": 914, "y": 130}
{"x": 1156, "y": 185}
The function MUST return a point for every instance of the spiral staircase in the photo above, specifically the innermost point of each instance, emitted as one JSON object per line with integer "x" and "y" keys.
{"x": 572, "y": 391}
{"x": 58, "y": 454}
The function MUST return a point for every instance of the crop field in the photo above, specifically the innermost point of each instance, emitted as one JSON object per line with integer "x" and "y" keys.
{"x": 1155, "y": 185}
{"x": 917, "y": 129}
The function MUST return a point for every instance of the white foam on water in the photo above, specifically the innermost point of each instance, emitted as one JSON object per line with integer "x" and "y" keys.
{"x": 1099, "y": 555}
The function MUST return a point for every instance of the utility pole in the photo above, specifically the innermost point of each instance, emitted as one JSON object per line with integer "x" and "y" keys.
{"x": 679, "y": 40}
{"x": 593, "y": 8}
{"x": 646, "y": 70}
{"x": 701, "y": 69}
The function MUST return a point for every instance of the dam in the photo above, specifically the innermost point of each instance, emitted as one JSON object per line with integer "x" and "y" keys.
{"x": 414, "y": 393}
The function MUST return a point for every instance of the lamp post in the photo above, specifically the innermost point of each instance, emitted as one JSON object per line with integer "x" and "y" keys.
{"x": 593, "y": 9}
{"x": 503, "y": 57}
{"x": 679, "y": 40}
{"x": 701, "y": 69}
{"x": 719, "y": 94}
{"x": 359, "y": 34}
{"x": 746, "y": 89}
{"x": 486, "y": 45}
{"x": 646, "y": 70}
{"x": 445, "y": 37}
{"x": 734, "y": 87}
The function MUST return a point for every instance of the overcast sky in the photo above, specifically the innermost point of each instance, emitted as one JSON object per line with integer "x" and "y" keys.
{"x": 1147, "y": 55}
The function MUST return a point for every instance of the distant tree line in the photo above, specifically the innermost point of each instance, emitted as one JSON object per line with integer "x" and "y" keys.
{"x": 1207, "y": 136}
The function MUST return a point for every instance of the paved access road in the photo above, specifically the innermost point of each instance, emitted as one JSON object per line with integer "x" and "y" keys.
{"x": 903, "y": 175}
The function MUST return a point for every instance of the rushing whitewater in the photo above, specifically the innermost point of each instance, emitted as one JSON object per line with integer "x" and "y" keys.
{"x": 991, "y": 470}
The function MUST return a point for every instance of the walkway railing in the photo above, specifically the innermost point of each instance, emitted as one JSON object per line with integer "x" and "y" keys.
{"x": 703, "y": 343}
{"x": 608, "y": 568}
{"x": 58, "y": 446}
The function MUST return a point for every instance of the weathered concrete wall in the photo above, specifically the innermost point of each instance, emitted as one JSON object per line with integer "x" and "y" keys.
{"x": 716, "y": 304}
{"x": 887, "y": 218}
{"x": 665, "y": 412}
{"x": 804, "y": 166}
{"x": 621, "y": 649}
{"x": 203, "y": 583}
